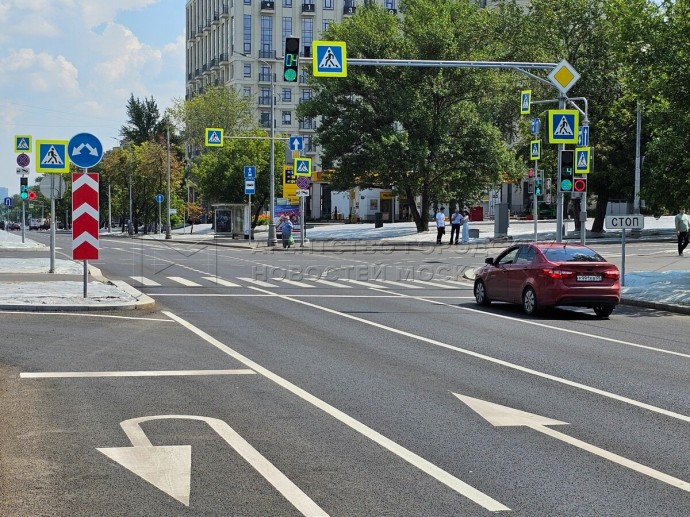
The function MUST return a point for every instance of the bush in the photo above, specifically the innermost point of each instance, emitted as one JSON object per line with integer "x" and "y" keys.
{"x": 263, "y": 220}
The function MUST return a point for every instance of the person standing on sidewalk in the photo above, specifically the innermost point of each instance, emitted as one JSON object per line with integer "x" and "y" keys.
{"x": 455, "y": 222}
{"x": 682, "y": 225}
{"x": 465, "y": 228}
{"x": 440, "y": 225}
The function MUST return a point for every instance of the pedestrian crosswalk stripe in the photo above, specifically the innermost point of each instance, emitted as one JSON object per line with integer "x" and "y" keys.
{"x": 564, "y": 128}
{"x": 364, "y": 284}
{"x": 255, "y": 282}
{"x": 332, "y": 284}
{"x": 183, "y": 281}
{"x": 145, "y": 281}
{"x": 219, "y": 281}
{"x": 399, "y": 284}
{"x": 432, "y": 284}
{"x": 292, "y": 282}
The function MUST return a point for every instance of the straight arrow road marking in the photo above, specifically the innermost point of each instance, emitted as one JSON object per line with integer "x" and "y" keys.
{"x": 503, "y": 416}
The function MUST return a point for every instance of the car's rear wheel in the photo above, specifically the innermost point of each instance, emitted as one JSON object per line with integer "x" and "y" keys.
{"x": 480, "y": 293}
{"x": 603, "y": 311}
{"x": 529, "y": 301}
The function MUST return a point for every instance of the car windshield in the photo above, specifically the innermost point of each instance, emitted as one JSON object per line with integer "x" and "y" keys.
{"x": 571, "y": 254}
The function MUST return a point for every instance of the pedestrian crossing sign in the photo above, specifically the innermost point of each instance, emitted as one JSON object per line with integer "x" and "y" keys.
{"x": 582, "y": 160}
{"x": 302, "y": 166}
{"x": 535, "y": 150}
{"x": 329, "y": 59}
{"x": 525, "y": 101}
{"x": 563, "y": 126}
{"x": 51, "y": 156}
{"x": 214, "y": 137}
{"x": 22, "y": 143}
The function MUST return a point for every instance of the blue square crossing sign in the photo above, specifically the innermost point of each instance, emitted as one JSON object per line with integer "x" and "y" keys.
{"x": 329, "y": 59}
{"x": 563, "y": 126}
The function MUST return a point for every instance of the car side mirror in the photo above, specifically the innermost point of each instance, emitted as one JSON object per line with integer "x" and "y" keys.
{"x": 489, "y": 260}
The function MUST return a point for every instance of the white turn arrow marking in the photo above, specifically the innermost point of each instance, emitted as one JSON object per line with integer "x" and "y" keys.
{"x": 502, "y": 416}
{"x": 168, "y": 468}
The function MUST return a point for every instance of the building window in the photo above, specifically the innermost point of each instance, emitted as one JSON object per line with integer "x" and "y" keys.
{"x": 308, "y": 144}
{"x": 265, "y": 73}
{"x": 247, "y": 70}
{"x": 247, "y": 91}
{"x": 326, "y": 24}
{"x": 390, "y": 4}
{"x": 287, "y": 27}
{"x": 307, "y": 33}
{"x": 265, "y": 119}
{"x": 287, "y": 118}
{"x": 305, "y": 95}
{"x": 247, "y": 2}
{"x": 287, "y": 95}
{"x": 266, "y": 36}
{"x": 265, "y": 97}
{"x": 247, "y": 34}
{"x": 287, "y": 3}
{"x": 328, "y": 4}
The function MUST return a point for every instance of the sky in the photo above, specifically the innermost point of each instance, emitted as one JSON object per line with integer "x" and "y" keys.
{"x": 70, "y": 66}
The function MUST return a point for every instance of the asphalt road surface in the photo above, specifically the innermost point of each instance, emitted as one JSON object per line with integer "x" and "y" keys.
{"x": 345, "y": 382}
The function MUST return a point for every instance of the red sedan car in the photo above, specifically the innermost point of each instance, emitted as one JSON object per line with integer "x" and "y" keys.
{"x": 538, "y": 275}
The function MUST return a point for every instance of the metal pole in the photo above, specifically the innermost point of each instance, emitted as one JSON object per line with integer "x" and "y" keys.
{"x": 272, "y": 188}
{"x": 303, "y": 226}
{"x": 250, "y": 220}
{"x": 623, "y": 258}
{"x": 636, "y": 200}
{"x": 53, "y": 224}
{"x": 535, "y": 204}
{"x": 559, "y": 193}
{"x": 130, "y": 231}
{"x": 110, "y": 208}
{"x": 23, "y": 218}
{"x": 168, "y": 233}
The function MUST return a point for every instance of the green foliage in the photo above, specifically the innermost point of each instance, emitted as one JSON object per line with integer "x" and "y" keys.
{"x": 144, "y": 121}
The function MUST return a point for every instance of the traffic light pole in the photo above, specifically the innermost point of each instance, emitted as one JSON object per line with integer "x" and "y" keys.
{"x": 559, "y": 193}
{"x": 23, "y": 218}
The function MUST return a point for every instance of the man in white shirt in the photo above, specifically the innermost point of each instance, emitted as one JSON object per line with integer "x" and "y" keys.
{"x": 682, "y": 224}
{"x": 440, "y": 225}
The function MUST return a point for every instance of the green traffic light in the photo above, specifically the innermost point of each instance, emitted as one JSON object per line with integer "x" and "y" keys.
{"x": 290, "y": 75}
{"x": 24, "y": 195}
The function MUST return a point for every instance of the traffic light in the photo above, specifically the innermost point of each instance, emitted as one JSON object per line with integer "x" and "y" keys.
{"x": 580, "y": 185}
{"x": 537, "y": 187}
{"x": 291, "y": 63}
{"x": 24, "y": 187}
{"x": 566, "y": 171}
{"x": 32, "y": 195}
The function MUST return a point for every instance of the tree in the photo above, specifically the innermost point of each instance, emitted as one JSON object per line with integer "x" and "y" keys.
{"x": 419, "y": 131}
{"x": 144, "y": 122}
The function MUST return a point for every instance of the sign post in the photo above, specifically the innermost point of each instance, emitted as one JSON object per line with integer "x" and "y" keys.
{"x": 84, "y": 150}
{"x": 624, "y": 222}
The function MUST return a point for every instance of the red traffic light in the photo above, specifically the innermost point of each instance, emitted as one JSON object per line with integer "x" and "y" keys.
{"x": 32, "y": 195}
{"x": 580, "y": 185}
{"x": 530, "y": 173}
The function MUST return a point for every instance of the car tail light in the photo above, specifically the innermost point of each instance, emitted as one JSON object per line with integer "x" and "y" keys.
{"x": 611, "y": 273}
{"x": 558, "y": 273}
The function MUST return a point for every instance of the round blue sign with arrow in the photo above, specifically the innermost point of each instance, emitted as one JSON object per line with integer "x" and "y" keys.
{"x": 159, "y": 198}
{"x": 85, "y": 150}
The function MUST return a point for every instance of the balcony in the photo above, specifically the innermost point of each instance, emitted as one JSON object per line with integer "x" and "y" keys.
{"x": 197, "y": 72}
{"x": 308, "y": 9}
{"x": 265, "y": 78}
{"x": 267, "y": 54}
{"x": 199, "y": 31}
{"x": 225, "y": 11}
{"x": 265, "y": 100}
{"x": 268, "y": 5}
{"x": 204, "y": 69}
{"x": 307, "y": 124}
{"x": 223, "y": 59}
{"x": 207, "y": 26}
{"x": 216, "y": 18}
{"x": 214, "y": 63}
{"x": 189, "y": 76}
{"x": 265, "y": 122}
{"x": 192, "y": 35}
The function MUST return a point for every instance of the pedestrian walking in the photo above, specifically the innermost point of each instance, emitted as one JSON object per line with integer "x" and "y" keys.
{"x": 440, "y": 225}
{"x": 682, "y": 225}
{"x": 285, "y": 228}
{"x": 466, "y": 227}
{"x": 455, "y": 222}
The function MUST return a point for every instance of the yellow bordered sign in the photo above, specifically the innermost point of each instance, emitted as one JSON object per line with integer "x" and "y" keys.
{"x": 525, "y": 102}
{"x": 329, "y": 59}
{"x": 302, "y": 166}
{"x": 22, "y": 143}
{"x": 582, "y": 160}
{"x": 563, "y": 126}
{"x": 214, "y": 137}
{"x": 535, "y": 150}
{"x": 52, "y": 156}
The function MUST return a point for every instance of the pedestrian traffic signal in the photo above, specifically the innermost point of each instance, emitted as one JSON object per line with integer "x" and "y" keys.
{"x": 566, "y": 171}
{"x": 291, "y": 63}
{"x": 537, "y": 187}
{"x": 24, "y": 187}
{"x": 32, "y": 195}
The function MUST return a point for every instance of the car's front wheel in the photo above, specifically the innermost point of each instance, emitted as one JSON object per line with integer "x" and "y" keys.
{"x": 480, "y": 293}
{"x": 529, "y": 301}
{"x": 603, "y": 311}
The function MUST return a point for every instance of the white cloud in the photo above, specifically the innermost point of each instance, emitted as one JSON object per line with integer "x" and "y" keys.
{"x": 41, "y": 72}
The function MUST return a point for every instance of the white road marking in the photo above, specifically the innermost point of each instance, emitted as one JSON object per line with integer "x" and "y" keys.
{"x": 219, "y": 281}
{"x": 163, "y": 373}
{"x": 403, "y": 285}
{"x": 145, "y": 281}
{"x": 260, "y": 283}
{"x": 501, "y": 362}
{"x": 292, "y": 282}
{"x": 424, "y": 465}
{"x": 364, "y": 284}
{"x": 339, "y": 285}
{"x": 183, "y": 281}
{"x": 431, "y": 284}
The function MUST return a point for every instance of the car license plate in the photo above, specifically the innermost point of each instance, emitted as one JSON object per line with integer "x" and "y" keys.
{"x": 589, "y": 278}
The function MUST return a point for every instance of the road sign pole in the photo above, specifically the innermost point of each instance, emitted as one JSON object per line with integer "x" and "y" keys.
{"x": 303, "y": 227}
{"x": 52, "y": 229}
{"x": 23, "y": 218}
{"x": 559, "y": 193}
{"x": 535, "y": 205}
{"x": 250, "y": 220}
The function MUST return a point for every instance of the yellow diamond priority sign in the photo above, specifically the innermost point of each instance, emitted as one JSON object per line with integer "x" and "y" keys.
{"x": 564, "y": 76}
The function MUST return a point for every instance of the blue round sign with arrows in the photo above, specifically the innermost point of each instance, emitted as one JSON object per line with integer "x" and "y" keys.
{"x": 85, "y": 150}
